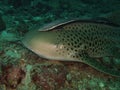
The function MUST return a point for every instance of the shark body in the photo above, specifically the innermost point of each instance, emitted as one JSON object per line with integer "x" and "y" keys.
{"x": 77, "y": 40}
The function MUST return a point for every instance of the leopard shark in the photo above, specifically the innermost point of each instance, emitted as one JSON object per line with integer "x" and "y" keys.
{"x": 77, "y": 40}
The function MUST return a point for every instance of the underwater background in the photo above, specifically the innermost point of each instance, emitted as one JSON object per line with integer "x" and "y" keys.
{"x": 21, "y": 69}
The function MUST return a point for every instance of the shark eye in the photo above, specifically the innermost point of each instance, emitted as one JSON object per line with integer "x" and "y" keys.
{"x": 61, "y": 46}
{"x": 58, "y": 45}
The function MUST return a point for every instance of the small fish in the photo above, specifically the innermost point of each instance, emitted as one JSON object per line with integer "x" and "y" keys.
{"x": 77, "y": 40}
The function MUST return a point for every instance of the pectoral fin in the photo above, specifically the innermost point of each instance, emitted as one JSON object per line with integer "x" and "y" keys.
{"x": 97, "y": 65}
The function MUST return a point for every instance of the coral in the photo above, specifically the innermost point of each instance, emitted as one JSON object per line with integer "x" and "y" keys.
{"x": 26, "y": 83}
{"x": 10, "y": 53}
{"x": 8, "y": 36}
{"x": 48, "y": 77}
{"x": 12, "y": 76}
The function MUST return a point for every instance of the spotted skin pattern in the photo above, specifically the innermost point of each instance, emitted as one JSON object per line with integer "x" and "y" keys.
{"x": 95, "y": 40}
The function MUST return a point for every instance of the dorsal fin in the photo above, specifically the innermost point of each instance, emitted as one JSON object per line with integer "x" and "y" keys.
{"x": 55, "y": 24}
{"x": 61, "y": 23}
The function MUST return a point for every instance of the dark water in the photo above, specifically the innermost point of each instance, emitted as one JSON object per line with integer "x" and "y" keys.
{"x": 61, "y": 8}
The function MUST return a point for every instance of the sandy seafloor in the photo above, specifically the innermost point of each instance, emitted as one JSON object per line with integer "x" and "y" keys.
{"x": 20, "y": 69}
